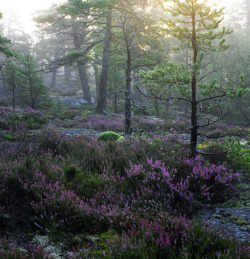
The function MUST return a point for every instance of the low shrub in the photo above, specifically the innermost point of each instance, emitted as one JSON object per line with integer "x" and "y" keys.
{"x": 8, "y": 251}
{"x": 16, "y": 118}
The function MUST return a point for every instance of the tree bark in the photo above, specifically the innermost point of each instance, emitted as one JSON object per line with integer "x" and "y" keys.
{"x": 14, "y": 87}
{"x": 128, "y": 128}
{"x": 102, "y": 96}
{"x": 97, "y": 82}
{"x": 167, "y": 106}
{"x": 194, "y": 125}
{"x": 78, "y": 41}
{"x": 67, "y": 75}
{"x": 54, "y": 71}
{"x": 84, "y": 81}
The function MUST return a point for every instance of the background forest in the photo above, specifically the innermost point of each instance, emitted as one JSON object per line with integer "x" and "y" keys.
{"x": 123, "y": 124}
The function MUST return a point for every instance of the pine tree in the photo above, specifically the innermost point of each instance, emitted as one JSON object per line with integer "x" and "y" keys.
{"x": 21, "y": 76}
{"x": 5, "y": 44}
{"x": 195, "y": 24}
{"x": 32, "y": 89}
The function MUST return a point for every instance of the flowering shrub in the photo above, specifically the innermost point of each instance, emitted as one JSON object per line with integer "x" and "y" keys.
{"x": 148, "y": 124}
{"x": 178, "y": 188}
{"x": 15, "y": 118}
{"x": 8, "y": 251}
{"x": 100, "y": 123}
{"x": 59, "y": 208}
{"x": 173, "y": 237}
{"x": 134, "y": 188}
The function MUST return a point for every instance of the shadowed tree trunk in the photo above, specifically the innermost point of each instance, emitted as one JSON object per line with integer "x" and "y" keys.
{"x": 194, "y": 128}
{"x": 67, "y": 75}
{"x": 102, "y": 96}
{"x": 97, "y": 82}
{"x": 14, "y": 88}
{"x": 128, "y": 94}
{"x": 78, "y": 41}
{"x": 84, "y": 81}
{"x": 54, "y": 70}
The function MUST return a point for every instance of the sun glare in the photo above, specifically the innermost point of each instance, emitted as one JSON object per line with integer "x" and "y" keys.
{"x": 22, "y": 11}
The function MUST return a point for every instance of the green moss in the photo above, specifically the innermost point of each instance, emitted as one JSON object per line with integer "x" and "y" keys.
{"x": 110, "y": 136}
{"x": 233, "y": 218}
{"x": 248, "y": 228}
{"x": 230, "y": 203}
{"x": 8, "y": 136}
{"x": 241, "y": 221}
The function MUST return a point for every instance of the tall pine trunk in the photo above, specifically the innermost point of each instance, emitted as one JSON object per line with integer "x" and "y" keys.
{"x": 84, "y": 81}
{"x": 78, "y": 41}
{"x": 194, "y": 125}
{"x": 128, "y": 127}
{"x": 54, "y": 71}
{"x": 67, "y": 75}
{"x": 102, "y": 96}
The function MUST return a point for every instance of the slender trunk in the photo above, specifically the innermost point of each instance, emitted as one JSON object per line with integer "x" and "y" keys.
{"x": 97, "y": 82}
{"x": 115, "y": 103}
{"x": 13, "y": 90}
{"x": 67, "y": 75}
{"x": 157, "y": 109}
{"x": 115, "y": 99}
{"x": 32, "y": 99}
{"x": 84, "y": 81}
{"x": 168, "y": 102}
{"x": 54, "y": 71}
{"x": 3, "y": 81}
{"x": 194, "y": 125}
{"x": 102, "y": 96}
{"x": 128, "y": 128}
{"x": 78, "y": 41}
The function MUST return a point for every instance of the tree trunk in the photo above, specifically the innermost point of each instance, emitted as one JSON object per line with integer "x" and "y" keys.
{"x": 194, "y": 125}
{"x": 78, "y": 41}
{"x": 102, "y": 96}
{"x": 97, "y": 82}
{"x": 3, "y": 80}
{"x": 13, "y": 90}
{"x": 167, "y": 109}
{"x": 32, "y": 98}
{"x": 54, "y": 71}
{"x": 67, "y": 75}
{"x": 128, "y": 128}
{"x": 84, "y": 81}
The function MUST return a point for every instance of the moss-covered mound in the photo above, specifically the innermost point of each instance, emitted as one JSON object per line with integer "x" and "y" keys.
{"x": 110, "y": 136}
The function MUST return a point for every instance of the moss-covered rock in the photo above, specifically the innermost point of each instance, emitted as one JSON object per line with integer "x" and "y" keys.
{"x": 241, "y": 221}
{"x": 110, "y": 136}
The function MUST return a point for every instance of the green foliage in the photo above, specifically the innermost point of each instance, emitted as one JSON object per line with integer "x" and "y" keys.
{"x": 230, "y": 151}
{"x": 237, "y": 155}
{"x": 23, "y": 80}
{"x": 57, "y": 108}
{"x": 8, "y": 136}
{"x": 4, "y": 45}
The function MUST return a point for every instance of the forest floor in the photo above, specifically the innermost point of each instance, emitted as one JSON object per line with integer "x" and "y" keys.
{"x": 232, "y": 215}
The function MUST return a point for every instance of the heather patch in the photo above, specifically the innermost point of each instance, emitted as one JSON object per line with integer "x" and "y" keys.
{"x": 138, "y": 189}
{"x": 15, "y": 119}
